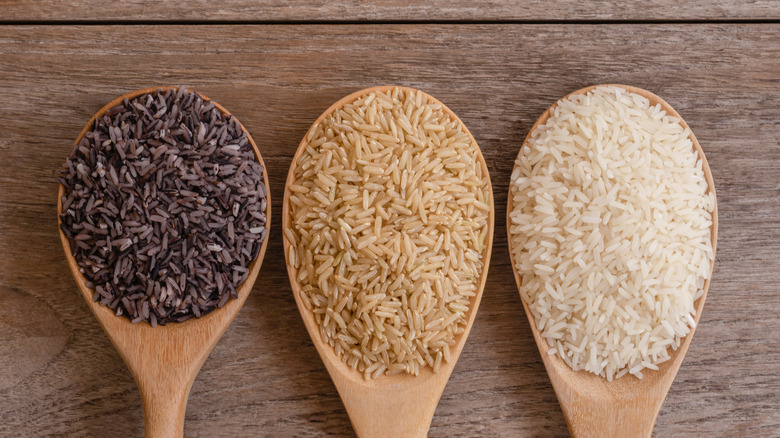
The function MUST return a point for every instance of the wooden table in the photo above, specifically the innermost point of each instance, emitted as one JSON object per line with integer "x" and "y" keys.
{"x": 277, "y": 65}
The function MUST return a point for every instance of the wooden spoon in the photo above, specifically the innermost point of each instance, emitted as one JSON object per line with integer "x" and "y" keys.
{"x": 164, "y": 360}
{"x": 626, "y": 407}
{"x": 400, "y": 405}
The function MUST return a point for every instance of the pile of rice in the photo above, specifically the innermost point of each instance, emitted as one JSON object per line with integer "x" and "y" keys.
{"x": 610, "y": 231}
{"x": 164, "y": 206}
{"x": 389, "y": 209}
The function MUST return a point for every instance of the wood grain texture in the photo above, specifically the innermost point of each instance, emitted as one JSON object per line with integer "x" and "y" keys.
{"x": 264, "y": 377}
{"x": 384, "y": 10}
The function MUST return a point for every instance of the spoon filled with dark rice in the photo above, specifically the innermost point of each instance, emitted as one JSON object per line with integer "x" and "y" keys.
{"x": 164, "y": 206}
{"x": 164, "y": 214}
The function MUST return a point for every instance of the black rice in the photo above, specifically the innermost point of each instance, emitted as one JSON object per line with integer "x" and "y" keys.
{"x": 164, "y": 207}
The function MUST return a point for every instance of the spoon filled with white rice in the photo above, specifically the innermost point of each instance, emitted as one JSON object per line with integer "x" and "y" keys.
{"x": 612, "y": 223}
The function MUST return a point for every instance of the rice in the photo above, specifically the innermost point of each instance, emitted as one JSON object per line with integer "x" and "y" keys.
{"x": 610, "y": 231}
{"x": 389, "y": 209}
{"x": 164, "y": 205}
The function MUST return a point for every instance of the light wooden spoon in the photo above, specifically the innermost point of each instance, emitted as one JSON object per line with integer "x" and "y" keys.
{"x": 164, "y": 360}
{"x": 400, "y": 405}
{"x": 626, "y": 407}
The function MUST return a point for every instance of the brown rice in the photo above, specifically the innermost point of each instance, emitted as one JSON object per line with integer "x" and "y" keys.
{"x": 390, "y": 209}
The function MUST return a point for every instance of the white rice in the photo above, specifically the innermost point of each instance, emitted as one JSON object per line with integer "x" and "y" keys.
{"x": 610, "y": 231}
{"x": 390, "y": 208}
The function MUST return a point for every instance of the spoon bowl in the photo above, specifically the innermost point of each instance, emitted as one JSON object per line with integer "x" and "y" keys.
{"x": 591, "y": 405}
{"x": 399, "y": 405}
{"x": 165, "y": 360}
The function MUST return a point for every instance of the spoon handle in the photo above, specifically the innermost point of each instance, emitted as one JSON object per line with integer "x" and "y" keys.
{"x": 164, "y": 405}
{"x": 612, "y": 416}
{"x": 398, "y": 413}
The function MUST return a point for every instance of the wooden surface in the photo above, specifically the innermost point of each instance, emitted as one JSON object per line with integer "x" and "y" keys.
{"x": 399, "y": 405}
{"x": 591, "y": 405}
{"x": 360, "y": 10}
{"x": 60, "y": 375}
{"x": 163, "y": 360}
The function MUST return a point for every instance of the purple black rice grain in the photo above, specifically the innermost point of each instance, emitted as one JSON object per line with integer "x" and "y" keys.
{"x": 164, "y": 207}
